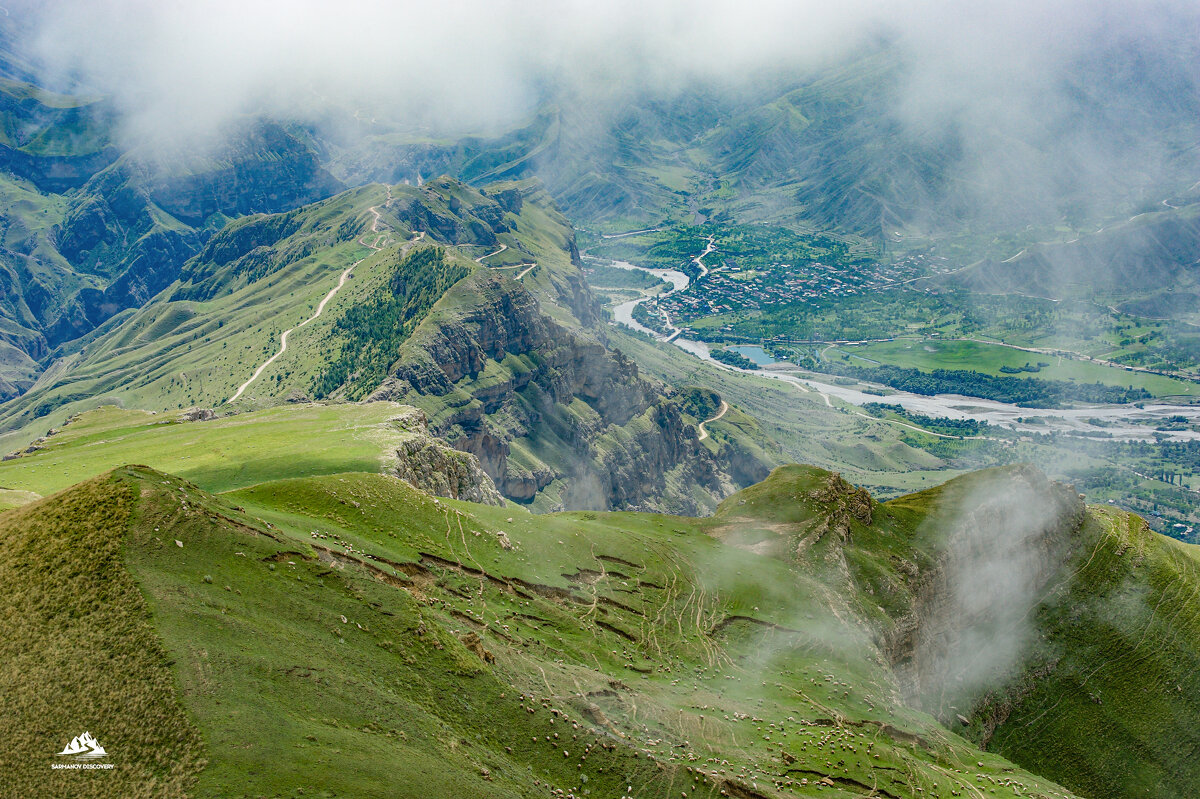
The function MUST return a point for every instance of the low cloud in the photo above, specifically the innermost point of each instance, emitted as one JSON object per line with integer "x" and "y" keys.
{"x": 1047, "y": 108}
{"x": 175, "y": 67}
{"x": 1005, "y": 539}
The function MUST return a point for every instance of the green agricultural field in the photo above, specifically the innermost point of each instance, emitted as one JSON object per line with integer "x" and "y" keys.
{"x": 928, "y": 354}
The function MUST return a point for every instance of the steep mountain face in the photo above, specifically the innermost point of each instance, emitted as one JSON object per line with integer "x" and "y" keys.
{"x": 540, "y": 403}
{"x": 56, "y": 142}
{"x": 1063, "y": 637}
{"x": 1001, "y": 548}
{"x": 137, "y": 222}
{"x": 592, "y": 158}
{"x": 427, "y": 463}
{"x": 90, "y": 232}
{"x": 518, "y": 373}
{"x": 1146, "y": 266}
{"x": 840, "y": 148}
{"x": 262, "y": 169}
{"x": 1070, "y": 647}
{"x": 508, "y": 359}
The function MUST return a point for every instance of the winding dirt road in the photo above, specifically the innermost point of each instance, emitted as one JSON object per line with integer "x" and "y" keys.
{"x": 283, "y": 338}
{"x": 481, "y": 258}
{"x": 720, "y": 413}
{"x": 525, "y": 268}
{"x": 704, "y": 269}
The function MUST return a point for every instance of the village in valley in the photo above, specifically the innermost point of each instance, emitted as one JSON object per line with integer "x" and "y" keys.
{"x": 729, "y": 287}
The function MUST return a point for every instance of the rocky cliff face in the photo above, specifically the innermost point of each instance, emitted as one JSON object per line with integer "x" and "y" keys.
{"x": 519, "y": 374}
{"x": 428, "y": 464}
{"x": 265, "y": 169}
{"x": 539, "y": 403}
{"x": 55, "y": 173}
{"x": 150, "y": 265}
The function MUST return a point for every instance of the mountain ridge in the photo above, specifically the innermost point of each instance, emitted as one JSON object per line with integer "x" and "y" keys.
{"x": 376, "y": 551}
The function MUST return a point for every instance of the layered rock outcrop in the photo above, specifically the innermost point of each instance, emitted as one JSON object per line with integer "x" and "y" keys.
{"x": 429, "y": 464}
{"x": 537, "y": 402}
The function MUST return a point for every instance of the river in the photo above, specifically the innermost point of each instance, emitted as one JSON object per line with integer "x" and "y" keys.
{"x": 1118, "y": 422}
{"x": 623, "y": 313}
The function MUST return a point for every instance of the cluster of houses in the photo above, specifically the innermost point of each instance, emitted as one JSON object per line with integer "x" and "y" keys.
{"x": 728, "y": 287}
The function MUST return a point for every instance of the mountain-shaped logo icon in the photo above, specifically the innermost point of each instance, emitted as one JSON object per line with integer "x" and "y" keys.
{"x": 84, "y": 747}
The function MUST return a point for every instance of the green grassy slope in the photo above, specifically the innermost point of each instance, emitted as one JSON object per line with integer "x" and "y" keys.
{"x": 397, "y": 645}
{"x": 1065, "y": 640}
{"x": 220, "y": 454}
{"x": 1142, "y": 264}
{"x": 198, "y": 341}
{"x": 79, "y": 652}
{"x": 403, "y": 645}
{"x": 1123, "y": 666}
{"x": 195, "y": 343}
{"x": 92, "y": 230}
{"x": 511, "y": 366}
{"x": 43, "y": 123}
{"x": 29, "y": 261}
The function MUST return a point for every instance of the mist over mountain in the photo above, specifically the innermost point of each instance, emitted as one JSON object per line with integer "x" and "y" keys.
{"x": 1048, "y": 107}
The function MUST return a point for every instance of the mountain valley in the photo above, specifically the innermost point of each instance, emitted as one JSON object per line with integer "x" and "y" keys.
{"x": 678, "y": 402}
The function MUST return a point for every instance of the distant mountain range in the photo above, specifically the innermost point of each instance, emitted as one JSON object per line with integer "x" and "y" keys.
{"x": 92, "y": 229}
